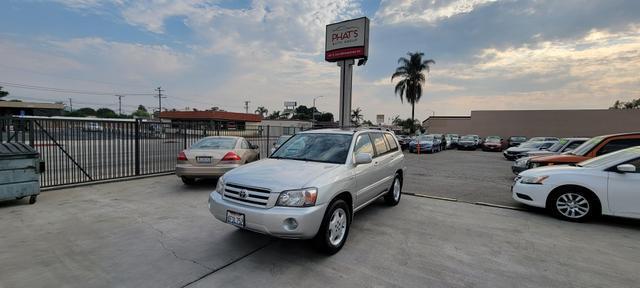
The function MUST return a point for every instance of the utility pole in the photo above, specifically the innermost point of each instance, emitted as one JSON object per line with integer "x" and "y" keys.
{"x": 313, "y": 112}
{"x": 159, "y": 100}
{"x": 119, "y": 104}
{"x": 70, "y": 105}
{"x": 246, "y": 106}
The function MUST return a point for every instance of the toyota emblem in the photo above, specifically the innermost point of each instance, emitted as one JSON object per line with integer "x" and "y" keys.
{"x": 243, "y": 194}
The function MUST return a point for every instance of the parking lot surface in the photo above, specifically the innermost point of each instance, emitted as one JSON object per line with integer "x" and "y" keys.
{"x": 156, "y": 232}
{"x": 469, "y": 176}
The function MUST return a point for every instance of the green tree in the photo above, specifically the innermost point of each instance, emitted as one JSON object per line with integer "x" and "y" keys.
{"x": 106, "y": 113}
{"x": 262, "y": 111}
{"x": 274, "y": 115}
{"x": 633, "y": 104}
{"x": 141, "y": 112}
{"x": 325, "y": 117}
{"x": 356, "y": 116}
{"x": 411, "y": 73}
{"x": 3, "y": 93}
{"x": 303, "y": 112}
{"x": 86, "y": 111}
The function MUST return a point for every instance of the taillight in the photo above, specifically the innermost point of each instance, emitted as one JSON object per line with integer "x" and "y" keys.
{"x": 182, "y": 156}
{"x": 231, "y": 156}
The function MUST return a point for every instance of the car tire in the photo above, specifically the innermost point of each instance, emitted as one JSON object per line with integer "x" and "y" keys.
{"x": 334, "y": 229}
{"x": 392, "y": 198}
{"x": 573, "y": 204}
{"x": 188, "y": 180}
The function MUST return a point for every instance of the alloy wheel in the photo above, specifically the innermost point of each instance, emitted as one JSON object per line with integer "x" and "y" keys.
{"x": 337, "y": 226}
{"x": 572, "y": 205}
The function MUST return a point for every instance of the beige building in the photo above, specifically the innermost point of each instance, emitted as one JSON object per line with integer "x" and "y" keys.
{"x": 530, "y": 123}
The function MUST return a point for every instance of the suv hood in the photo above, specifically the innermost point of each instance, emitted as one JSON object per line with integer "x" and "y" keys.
{"x": 278, "y": 174}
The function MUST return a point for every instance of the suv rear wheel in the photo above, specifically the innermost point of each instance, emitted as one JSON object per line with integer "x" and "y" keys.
{"x": 334, "y": 229}
{"x": 395, "y": 192}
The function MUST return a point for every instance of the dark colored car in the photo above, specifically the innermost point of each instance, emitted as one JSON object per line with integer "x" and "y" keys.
{"x": 513, "y": 153}
{"x": 443, "y": 141}
{"x": 404, "y": 141}
{"x": 492, "y": 143}
{"x": 468, "y": 142}
{"x": 516, "y": 140}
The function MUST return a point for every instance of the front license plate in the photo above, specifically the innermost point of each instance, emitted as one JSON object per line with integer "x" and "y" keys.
{"x": 235, "y": 218}
{"x": 203, "y": 160}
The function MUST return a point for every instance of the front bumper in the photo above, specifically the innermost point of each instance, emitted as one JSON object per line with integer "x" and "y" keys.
{"x": 204, "y": 171}
{"x": 536, "y": 194}
{"x": 271, "y": 221}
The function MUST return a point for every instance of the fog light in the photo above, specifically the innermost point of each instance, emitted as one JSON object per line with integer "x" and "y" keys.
{"x": 290, "y": 224}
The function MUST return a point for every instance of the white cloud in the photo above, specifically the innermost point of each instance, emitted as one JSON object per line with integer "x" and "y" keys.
{"x": 424, "y": 11}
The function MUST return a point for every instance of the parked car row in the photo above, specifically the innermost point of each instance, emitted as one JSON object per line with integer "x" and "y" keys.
{"x": 579, "y": 178}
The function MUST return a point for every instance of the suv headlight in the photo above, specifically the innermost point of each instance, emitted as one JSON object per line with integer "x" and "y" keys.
{"x": 521, "y": 162}
{"x": 220, "y": 186}
{"x": 298, "y": 198}
{"x": 533, "y": 180}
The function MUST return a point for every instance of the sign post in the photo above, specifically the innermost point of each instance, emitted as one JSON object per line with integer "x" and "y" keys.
{"x": 346, "y": 41}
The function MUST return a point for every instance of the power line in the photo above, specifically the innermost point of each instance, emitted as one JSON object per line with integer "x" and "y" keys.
{"x": 64, "y": 90}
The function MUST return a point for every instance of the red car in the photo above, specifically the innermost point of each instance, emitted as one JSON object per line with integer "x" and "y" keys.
{"x": 492, "y": 143}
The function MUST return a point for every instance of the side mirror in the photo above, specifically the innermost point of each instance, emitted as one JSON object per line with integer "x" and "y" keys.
{"x": 253, "y": 146}
{"x": 363, "y": 158}
{"x": 626, "y": 168}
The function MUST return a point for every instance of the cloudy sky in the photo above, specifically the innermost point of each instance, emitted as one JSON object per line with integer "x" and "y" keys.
{"x": 490, "y": 54}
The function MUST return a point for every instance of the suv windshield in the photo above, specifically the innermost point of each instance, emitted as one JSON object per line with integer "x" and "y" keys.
{"x": 610, "y": 159}
{"x": 531, "y": 145}
{"x": 556, "y": 147}
{"x": 587, "y": 146}
{"x": 215, "y": 144}
{"x": 316, "y": 147}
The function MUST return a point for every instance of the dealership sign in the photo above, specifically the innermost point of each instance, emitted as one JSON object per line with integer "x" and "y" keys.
{"x": 347, "y": 40}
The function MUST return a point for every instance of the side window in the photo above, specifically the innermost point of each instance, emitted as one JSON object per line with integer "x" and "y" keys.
{"x": 572, "y": 146}
{"x": 546, "y": 145}
{"x": 379, "y": 143}
{"x": 363, "y": 145}
{"x": 245, "y": 144}
{"x": 615, "y": 145}
{"x": 635, "y": 162}
{"x": 391, "y": 142}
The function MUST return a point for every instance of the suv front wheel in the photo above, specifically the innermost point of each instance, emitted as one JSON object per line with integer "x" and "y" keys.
{"x": 334, "y": 229}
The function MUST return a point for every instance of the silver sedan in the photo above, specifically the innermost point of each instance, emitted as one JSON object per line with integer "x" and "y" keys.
{"x": 211, "y": 157}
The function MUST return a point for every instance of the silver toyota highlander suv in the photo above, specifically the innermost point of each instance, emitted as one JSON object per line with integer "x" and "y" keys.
{"x": 311, "y": 186}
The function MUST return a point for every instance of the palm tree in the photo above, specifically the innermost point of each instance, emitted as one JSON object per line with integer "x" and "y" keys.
{"x": 411, "y": 73}
{"x": 262, "y": 111}
{"x": 356, "y": 116}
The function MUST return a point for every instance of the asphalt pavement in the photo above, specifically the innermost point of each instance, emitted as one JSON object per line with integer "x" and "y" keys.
{"x": 469, "y": 176}
{"x": 156, "y": 232}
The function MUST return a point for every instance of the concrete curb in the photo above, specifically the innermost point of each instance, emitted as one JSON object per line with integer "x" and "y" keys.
{"x": 500, "y": 206}
{"x": 431, "y": 197}
{"x": 474, "y": 203}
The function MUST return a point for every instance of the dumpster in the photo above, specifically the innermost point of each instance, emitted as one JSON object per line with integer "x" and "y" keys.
{"x": 19, "y": 172}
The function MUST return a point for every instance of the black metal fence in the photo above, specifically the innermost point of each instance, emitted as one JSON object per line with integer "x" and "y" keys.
{"x": 86, "y": 150}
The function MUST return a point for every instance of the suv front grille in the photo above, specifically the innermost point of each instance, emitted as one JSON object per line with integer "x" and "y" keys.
{"x": 258, "y": 197}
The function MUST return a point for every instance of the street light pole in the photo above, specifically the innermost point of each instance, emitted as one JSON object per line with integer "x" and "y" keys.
{"x": 313, "y": 112}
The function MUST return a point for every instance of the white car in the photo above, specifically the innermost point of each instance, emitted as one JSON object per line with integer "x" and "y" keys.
{"x": 311, "y": 186}
{"x": 609, "y": 185}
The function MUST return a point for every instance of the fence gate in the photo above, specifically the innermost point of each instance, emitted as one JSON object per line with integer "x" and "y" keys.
{"x": 78, "y": 151}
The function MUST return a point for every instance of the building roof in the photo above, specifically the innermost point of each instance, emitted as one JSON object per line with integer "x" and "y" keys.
{"x": 211, "y": 115}
{"x": 31, "y": 105}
